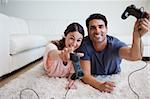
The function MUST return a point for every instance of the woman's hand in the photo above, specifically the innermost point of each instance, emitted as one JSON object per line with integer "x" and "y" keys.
{"x": 65, "y": 54}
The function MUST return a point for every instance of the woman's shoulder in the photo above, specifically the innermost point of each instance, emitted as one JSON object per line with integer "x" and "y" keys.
{"x": 51, "y": 45}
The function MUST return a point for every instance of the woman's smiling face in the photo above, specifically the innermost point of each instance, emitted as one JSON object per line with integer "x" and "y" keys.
{"x": 73, "y": 39}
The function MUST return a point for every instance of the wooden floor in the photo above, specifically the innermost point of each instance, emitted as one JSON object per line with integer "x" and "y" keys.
{"x": 7, "y": 78}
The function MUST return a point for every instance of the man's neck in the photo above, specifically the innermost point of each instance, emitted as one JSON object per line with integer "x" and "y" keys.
{"x": 99, "y": 46}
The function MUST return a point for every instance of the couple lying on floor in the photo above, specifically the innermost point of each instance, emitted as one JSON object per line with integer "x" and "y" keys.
{"x": 100, "y": 54}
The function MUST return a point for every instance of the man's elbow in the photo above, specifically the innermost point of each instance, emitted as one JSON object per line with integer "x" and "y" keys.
{"x": 84, "y": 79}
{"x": 133, "y": 58}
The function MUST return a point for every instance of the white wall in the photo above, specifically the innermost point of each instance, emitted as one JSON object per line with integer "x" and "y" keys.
{"x": 59, "y": 13}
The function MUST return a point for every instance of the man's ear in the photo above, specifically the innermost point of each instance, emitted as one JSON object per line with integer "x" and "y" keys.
{"x": 106, "y": 29}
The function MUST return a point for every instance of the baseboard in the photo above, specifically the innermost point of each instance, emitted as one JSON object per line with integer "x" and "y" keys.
{"x": 145, "y": 58}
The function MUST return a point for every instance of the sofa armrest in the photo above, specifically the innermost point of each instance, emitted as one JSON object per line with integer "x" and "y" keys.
{"x": 4, "y": 44}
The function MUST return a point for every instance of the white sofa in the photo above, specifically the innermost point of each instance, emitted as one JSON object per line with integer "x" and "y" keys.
{"x": 18, "y": 47}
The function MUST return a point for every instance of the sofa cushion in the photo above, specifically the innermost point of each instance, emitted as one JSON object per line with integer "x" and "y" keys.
{"x": 23, "y": 42}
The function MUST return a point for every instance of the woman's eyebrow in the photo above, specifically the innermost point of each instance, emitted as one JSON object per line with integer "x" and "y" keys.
{"x": 72, "y": 36}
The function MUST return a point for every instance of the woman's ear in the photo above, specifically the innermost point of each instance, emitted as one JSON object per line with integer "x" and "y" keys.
{"x": 63, "y": 36}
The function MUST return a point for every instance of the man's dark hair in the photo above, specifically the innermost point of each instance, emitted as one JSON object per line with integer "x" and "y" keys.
{"x": 96, "y": 16}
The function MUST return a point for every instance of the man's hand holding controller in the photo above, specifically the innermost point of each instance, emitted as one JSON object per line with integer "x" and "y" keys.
{"x": 142, "y": 25}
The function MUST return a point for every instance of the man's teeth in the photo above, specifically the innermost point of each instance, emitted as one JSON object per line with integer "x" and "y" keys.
{"x": 98, "y": 36}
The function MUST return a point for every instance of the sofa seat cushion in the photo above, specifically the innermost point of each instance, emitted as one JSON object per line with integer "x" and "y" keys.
{"x": 20, "y": 43}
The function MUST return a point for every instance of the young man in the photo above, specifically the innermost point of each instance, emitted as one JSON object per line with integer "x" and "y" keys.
{"x": 103, "y": 53}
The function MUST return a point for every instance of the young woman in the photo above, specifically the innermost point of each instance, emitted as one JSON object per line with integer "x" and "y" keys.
{"x": 57, "y": 55}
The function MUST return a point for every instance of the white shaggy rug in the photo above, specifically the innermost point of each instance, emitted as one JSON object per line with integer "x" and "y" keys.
{"x": 54, "y": 88}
